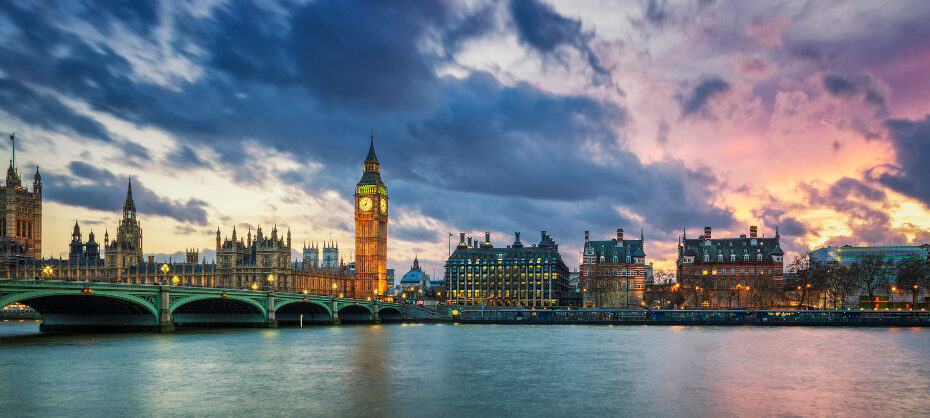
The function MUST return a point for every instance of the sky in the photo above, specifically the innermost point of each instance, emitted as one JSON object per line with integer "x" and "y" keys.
{"x": 653, "y": 116}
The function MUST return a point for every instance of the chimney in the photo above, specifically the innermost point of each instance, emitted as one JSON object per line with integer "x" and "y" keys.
{"x": 542, "y": 235}
{"x": 517, "y": 234}
{"x": 585, "y": 237}
{"x": 487, "y": 238}
{"x": 461, "y": 238}
{"x": 753, "y": 231}
{"x": 706, "y": 232}
{"x": 619, "y": 234}
{"x": 469, "y": 241}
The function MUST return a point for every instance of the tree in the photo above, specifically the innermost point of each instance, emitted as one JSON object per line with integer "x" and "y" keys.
{"x": 870, "y": 274}
{"x": 912, "y": 273}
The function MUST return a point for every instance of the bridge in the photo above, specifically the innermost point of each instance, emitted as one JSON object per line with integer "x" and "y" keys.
{"x": 67, "y": 305}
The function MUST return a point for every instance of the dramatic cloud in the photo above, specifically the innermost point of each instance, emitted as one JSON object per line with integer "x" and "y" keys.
{"x": 864, "y": 86}
{"x": 694, "y": 101}
{"x": 99, "y": 189}
{"x": 476, "y": 129}
{"x": 47, "y": 112}
{"x": 540, "y": 27}
{"x": 911, "y": 142}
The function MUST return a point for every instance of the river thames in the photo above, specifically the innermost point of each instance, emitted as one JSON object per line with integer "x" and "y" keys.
{"x": 469, "y": 370}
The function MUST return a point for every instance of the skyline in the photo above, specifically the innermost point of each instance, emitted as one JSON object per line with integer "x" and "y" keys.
{"x": 659, "y": 116}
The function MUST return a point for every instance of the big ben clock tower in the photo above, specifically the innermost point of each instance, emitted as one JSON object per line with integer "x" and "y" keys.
{"x": 371, "y": 217}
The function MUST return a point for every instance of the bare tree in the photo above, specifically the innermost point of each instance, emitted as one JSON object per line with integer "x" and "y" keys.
{"x": 870, "y": 274}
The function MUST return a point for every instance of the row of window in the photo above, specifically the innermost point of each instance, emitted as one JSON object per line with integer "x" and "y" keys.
{"x": 742, "y": 270}
{"x": 638, "y": 260}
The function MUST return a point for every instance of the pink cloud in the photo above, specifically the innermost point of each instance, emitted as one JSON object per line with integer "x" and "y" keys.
{"x": 752, "y": 66}
{"x": 767, "y": 31}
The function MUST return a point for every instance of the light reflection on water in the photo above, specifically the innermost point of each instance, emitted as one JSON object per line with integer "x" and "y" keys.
{"x": 469, "y": 370}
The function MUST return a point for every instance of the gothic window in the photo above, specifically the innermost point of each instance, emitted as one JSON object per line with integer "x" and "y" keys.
{"x": 627, "y": 259}
{"x": 719, "y": 257}
{"x": 732, "y": 257}
{"x": 615, "y": 259}
{"x": 745, "y": 257}
{"x": 758, "y": 257}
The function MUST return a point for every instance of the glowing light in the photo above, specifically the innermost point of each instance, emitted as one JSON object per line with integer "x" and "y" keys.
{"x": 164, "y": 268}
{"x": 175, "y": 280}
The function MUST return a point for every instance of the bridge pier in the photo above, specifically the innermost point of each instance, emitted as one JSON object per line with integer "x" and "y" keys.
{"x": 374, "y": 311}
{"x": 270, "y": 321}
{"x": 335, "y": 320}
{"x": 164, "y": 311}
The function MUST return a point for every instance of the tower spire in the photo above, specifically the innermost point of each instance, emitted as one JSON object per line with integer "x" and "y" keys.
{"x": 129, "y": 208}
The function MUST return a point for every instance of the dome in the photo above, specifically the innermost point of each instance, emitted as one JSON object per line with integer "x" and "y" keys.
{"x": 415, "y": 275}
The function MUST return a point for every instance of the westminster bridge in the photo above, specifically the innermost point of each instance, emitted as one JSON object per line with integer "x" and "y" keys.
{"x": 68, "y": 305}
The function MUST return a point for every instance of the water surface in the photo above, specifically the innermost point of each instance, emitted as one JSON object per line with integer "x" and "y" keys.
{"x": 469, "y": 370}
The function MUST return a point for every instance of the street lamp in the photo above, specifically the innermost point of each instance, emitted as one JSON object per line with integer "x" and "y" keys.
{"x": 47, "y": 271}
{"x": 254, "y": 286}
{"x": 164, "y": 270}
{"x": 334, "y": 289}
{"x": 175, "y": 280}
{"x": 271, "y": 282}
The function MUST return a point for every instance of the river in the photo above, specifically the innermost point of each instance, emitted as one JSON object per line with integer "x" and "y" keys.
{"x": 434, "y": 370}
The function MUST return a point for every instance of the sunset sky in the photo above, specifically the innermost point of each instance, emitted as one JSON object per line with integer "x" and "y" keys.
{"x": 487, "y": 116}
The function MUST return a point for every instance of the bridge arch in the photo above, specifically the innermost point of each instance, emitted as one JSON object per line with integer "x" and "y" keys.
{"x": 289, "y": 312}
{"x": 355, "y": 313}
{"x": 390, "y": 314}
{"x": 217, "y": 310}
{"x": 74, "y": 308}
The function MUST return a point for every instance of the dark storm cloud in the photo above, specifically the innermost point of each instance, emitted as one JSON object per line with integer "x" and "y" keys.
{"x": 911, "y": 142}
{"x": 99, "y": 189}
{"x": 469, "y": 27}
{"x": 185, "y": 157}
{"x": 310, "y": 82}
{"x": 139, "y": 15}
{"x": 693, "y": 102}
{"x": 415, "y": 234}
{"x": 47, "y": 112}
{"x": 544, "y": 30}
{"x": 864, "y": 87}
{"x": 358, "y": 51}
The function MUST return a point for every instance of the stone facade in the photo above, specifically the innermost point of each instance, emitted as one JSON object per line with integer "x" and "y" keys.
{"x": 21, "y": 222}
{"x": 371, "y": 218}
{"x": 241, "y": 262}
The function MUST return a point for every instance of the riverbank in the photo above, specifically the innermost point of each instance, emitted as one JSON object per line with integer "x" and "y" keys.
{"x": 739, "y": 317}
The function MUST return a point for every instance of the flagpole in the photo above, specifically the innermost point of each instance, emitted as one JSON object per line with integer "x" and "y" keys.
{"x": 13, "y": 140}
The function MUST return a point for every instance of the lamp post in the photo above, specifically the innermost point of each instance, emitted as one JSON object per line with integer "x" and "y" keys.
{"x": 175, "y": 280}
{"x": 334, "y": 289}
{"x": 164, "y": 270}
{"x": 47, "y": 271}
{"x": 271, "y": 282}
{"x": 737, "y": 294}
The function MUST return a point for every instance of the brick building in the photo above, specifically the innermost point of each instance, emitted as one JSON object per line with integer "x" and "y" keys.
{"x": 613, "y": 272}
{"x": 727, "y": 268}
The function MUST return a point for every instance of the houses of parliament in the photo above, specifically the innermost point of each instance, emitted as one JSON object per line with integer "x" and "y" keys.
{"x": 254, "y": 261}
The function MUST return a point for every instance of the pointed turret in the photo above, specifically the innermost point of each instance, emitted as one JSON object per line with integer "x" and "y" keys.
{"x": 129, "y": 208}
{"x": 371, "y": 157}
{"x": 37, "y": 182}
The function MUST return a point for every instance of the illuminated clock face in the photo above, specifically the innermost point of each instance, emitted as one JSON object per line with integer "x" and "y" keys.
{"x": 383, "y": 205}
{"x": 364, "y": 204}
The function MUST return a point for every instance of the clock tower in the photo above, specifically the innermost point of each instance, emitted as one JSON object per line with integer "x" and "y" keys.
{"x": 371, "y": 217}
